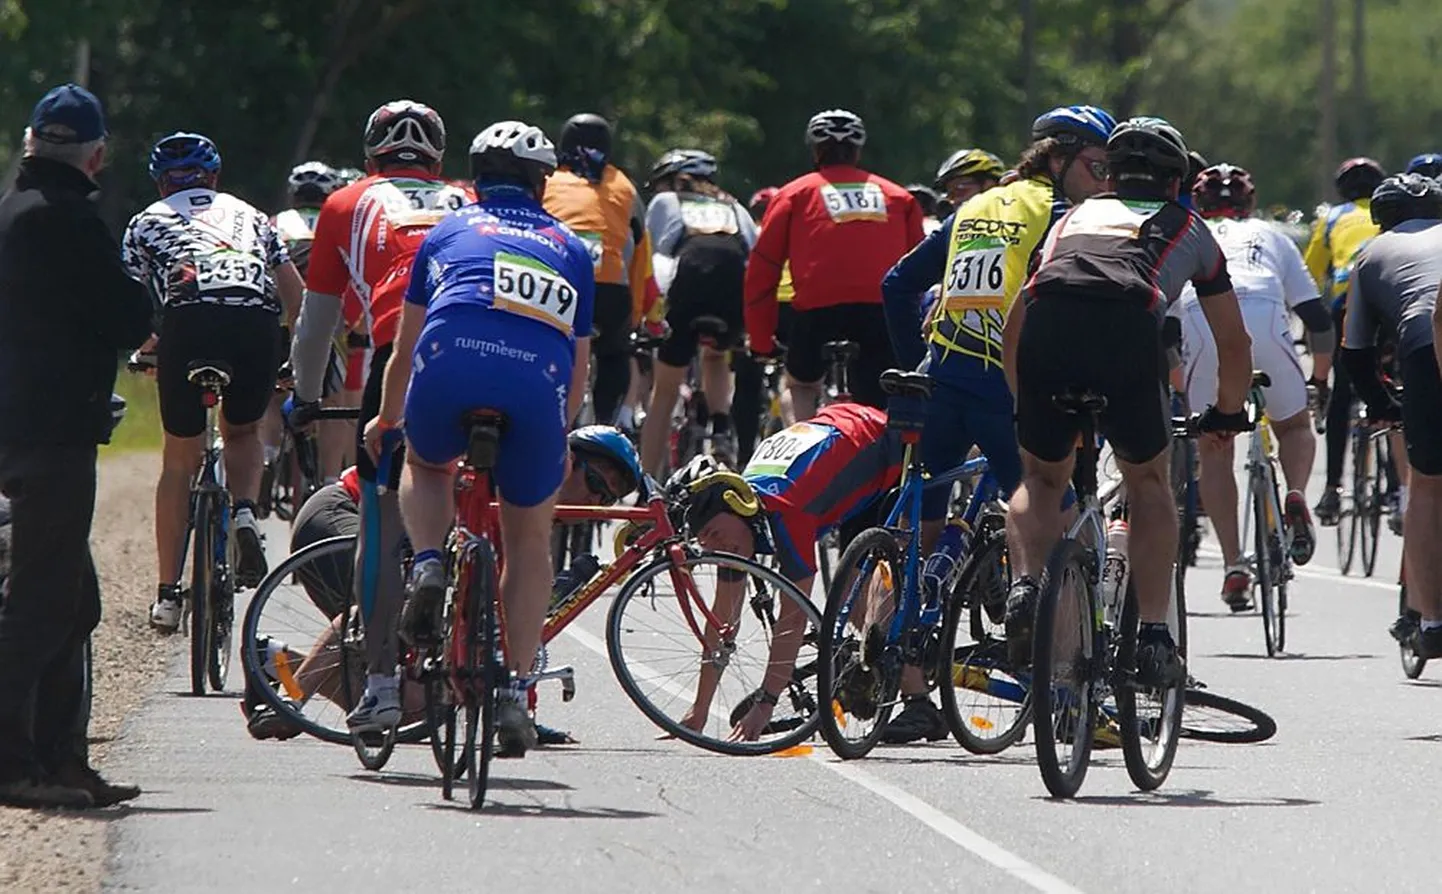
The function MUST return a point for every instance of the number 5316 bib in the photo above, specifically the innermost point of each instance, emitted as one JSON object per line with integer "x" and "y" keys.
{"x": 975, "y": 278}
{"x": 528, "y": 287}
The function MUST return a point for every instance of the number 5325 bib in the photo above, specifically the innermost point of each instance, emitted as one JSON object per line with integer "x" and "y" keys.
{"x": 528, "y": 287}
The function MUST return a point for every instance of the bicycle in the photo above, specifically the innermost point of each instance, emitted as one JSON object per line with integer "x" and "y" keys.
{"x": 837, "y": 389}
{"x": 1095, "y": 657}
{"x": 1271, "y": 558}
{"x": 861, "y": 677}
{"x": 294, "y": 474}
{"x": 1360, "y": 519}
{"x": 1407, "y": 623}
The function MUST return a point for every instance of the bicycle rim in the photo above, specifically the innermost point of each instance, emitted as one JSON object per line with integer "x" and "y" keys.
{"x": 1412, "y": 663}
{"x": 1208, "y": 717}
{"x": 482, "y": 645}
{"x": 222, "y": 616}
{"x": 1266, "y": 592}
{"x": 202, "y": 560}
{"x": 656, "y": 655}
{"x": 986, "y": 701}
{"x": 1150, "y": 720}
{"x": 1064, "y": 661}
{"x": 1377, "y": 479}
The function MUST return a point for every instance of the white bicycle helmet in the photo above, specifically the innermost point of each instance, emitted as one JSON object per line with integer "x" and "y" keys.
{"x": 411, "y": 131}
{"x": 511, "y": 149}
{"x": 836, "y": 126}
{"x": 313, "y": 181}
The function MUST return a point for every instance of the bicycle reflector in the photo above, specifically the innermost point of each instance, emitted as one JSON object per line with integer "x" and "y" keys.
{"x": 209, "y": 399}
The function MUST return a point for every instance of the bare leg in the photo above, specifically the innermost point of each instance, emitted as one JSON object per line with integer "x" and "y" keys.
{"x": 657, "y": 429}
{"x": 1034, "y": 520}
{"x": 244, "y": 459}
{"x": 1296, "y": 448}
{"x": 179, "y": 460}
{"x": 427, "y": 500}
{"x": 526, "y": 580}
{"x": 716, "y": 380}
{"x": 799, "y": 400}
{"x": 1423, "y": 524}
{"x": 1152, "y": 544}
{"x": 1218, "y": 488}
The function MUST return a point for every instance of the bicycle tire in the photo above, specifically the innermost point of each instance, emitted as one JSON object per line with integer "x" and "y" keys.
{"x": 483, "y": 639}
{"x": 202, "y": 567}
{"x": 1377, "y": 475}
{"x": 1266, "y": 579}
{"x": 1069, "y": 559}
{"x": 1412, "y": 663}
{"x": 799, "y": 719}
{"x": 222, "y": 607}
{"x": 842, "y": 658}
{"x": 983, "y": 667}
{"x": 823, "y": 557}
{"x": 1202, "y": 720}
{"x": 374, "y": 749}
{"x": 1149, "y": 737}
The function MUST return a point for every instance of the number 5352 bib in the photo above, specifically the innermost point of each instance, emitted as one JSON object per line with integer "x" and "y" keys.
{"x": 528, "y": 287}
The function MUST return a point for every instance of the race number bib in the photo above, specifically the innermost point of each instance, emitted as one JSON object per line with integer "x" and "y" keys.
{"x": 706, "y": 216}
{"x": 847, "y": 202}
{"x": 976, "y": 280}
{"x": 594, "y": 246}
{"x": 528, "y": 287}
{"x": 228, "y": 272}
{"x": 774, "y": 456}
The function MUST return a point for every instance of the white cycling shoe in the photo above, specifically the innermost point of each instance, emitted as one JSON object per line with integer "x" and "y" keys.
{"x": 166, "y": 614}
{"x": 379, "y": 710}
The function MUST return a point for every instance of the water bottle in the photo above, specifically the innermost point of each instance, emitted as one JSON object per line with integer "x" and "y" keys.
{"x": 569, "y": 582}
{"x": 953, "y": 543}
{"x": 1114, "y": 570}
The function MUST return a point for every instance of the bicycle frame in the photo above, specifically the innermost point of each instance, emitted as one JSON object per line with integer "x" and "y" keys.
{"x": 1262, "y": 471}
{"x": 209, "y": 479}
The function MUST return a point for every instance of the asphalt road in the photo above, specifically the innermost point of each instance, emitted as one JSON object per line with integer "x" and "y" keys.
{"x": 1337, "y": 801}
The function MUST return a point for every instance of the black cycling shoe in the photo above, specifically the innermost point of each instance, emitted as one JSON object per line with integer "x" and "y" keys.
{"x": 920, "y": 719}
{"x": 1158, "y": 664}
{"x": 1329, "y": 508}
{"x": 1427, "y": 643}
{"x": 1020, "y": 619}
{"x": 1405, "y": 627}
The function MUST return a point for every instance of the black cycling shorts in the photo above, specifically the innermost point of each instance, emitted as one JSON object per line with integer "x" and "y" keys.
{"x": 329, "y": 512}
{"x": 244, "y": 339}
{"x": 370, "y": 407}
{"x": 1422, "y": 411}
{"x": 611, "y": 320}
{"x": 709, "y": 282}
{"x": 864, "y": 324}
{"x": 1107, "y": 346}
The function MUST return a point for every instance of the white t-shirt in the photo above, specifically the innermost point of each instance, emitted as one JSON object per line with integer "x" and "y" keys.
{"x": 1264, "y": 264}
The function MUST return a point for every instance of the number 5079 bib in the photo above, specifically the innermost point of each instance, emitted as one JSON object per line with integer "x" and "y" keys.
{"x": 528, "y": 287}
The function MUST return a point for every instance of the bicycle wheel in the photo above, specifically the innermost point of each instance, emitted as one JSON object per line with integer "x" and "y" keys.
{"x": 1376, "y": 500}
{"x": 1150, "y": 720}
{"x": 986, "y": 702}
{"x": 202, "y": 571}
{"x": 1412, "y": 663}
{"x": 1267, "y": 575}
{"x": 662, "y": 650}
{"x": 1065, "y": 656}
{"x": 486, "y": 666}
{"x": 825, "y": 546}
{"x": 1213, "y": 718}
{"x": 441, "y": 723}
{"x": 222, "y": 602}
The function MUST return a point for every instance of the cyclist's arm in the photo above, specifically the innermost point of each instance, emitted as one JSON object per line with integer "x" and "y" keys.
{"x": 1359, "y": 347}
{"x": 398, "y": 367}
{"x": 1011, "y": 337}
{"x": 665, "y": 228}
{"x": 320, "y": 315}
{"x": 582, "y": 322}
{"x": 642, "y": 280}
{"x": 1318, "y": 255}
{"x": 901, "y": 292}
{"x": 1321, "y": 337}
{"x": 763, "y": 273}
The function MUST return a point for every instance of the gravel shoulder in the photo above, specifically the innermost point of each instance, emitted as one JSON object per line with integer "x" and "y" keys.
{"x": 49, "y": 851}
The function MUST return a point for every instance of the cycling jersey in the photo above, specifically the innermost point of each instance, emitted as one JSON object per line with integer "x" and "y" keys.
{"x": 1264, "y": 264}
{"x": 198, "y": 246}
{"x": 840, "y": 229}
{"x": 609, "y": 218}
{"x": 1336, "y": 239}
{"x": 701, "y": 243}
{"x": 367, "y": 235}
{"x": 1394, "y": 283}
{"x": 295, "y": 226}
{"x": 817, "y": 474}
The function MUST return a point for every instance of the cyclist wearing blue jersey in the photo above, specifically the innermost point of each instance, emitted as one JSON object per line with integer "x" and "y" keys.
{"x": 498, "y": 292}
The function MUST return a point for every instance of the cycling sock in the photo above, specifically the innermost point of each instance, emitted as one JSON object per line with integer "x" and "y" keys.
{"x": 426, "y": 555}
{"x": 376, "y": 682}
{"x": 1154, "y": 630}
{"x": 720, "y": 423}
{"x": 1430, "y": 625}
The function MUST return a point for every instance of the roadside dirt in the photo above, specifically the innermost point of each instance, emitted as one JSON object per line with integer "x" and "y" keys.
{"x": 48, "y": 851}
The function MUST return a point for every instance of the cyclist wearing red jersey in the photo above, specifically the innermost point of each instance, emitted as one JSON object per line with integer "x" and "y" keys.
{"x": 840, "y": 229}
{"x": 365, "y": 240}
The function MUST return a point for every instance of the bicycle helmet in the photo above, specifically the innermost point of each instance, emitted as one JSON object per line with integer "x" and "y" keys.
{"x": 586, "y": 130}
{"x": 1428, "y": 164}
{"x": 761, "y": 198}
{"x": 1074, "y": 126}
{"x": 175, "y": 155}
{"x": 1403, "y": 197}
{"x": 693, "y": 162}
{"x": 1224, "y": 190}
{"x": 350, "y": 175}
{"x": 513, "y": 150}
{"x": 969, "y": 163}
{"x": 606, "y": 442}
{"x": 925, "y": 197}
{"x": 836, "y": 126}
{"x": 704, "y": 488}
{"x": 405, "y": 130}
{"x": 312, "y": 181}
{"x": 1358, "y": 178}
{"x": 1148, "y": 147}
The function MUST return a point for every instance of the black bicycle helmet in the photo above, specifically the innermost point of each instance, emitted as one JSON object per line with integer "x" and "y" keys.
{"x": 586, "y": 130}
{"x": 1148, "y": 147}
{"x": 695, "y": 162}
{"x": 1405, "y": 197}
{"x": 1358, "y": 178}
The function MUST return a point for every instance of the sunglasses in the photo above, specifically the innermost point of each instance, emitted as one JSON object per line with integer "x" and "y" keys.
{"x": 1100, "y": 170}
{"x": 596, "y": 483}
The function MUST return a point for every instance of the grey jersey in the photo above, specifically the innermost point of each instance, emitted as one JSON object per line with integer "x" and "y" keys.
{"x": 675, "y": 216}
{"x": 1394, "y": 284}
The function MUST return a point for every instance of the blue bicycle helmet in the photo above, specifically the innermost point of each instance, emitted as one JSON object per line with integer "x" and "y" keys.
{"x": 184, "y": 151}
{"x": 1428, "y": 164}
{"x": 1075, "y": 126}
{"x": 608, "y": 443}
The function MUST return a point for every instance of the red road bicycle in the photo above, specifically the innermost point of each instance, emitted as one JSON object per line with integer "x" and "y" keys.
{"x": 730, "y": 635}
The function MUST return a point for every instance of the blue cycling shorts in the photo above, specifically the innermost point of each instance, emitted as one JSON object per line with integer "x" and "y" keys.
{"x": 960, "y": 416}
{"x": 475, "y": 358}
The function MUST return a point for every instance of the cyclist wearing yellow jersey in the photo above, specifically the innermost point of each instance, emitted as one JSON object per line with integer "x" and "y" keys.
{"x": 981, "y": 256}
{"x": 967, "y": 173}
{"x": 1337, "y": 236}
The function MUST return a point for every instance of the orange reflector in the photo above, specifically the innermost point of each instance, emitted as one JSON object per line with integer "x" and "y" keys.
{"x": 981, "y": 723}
{"x": 801, "y": 750}
{"x": 287, "y": 679}
{"x": 836, "y": 711}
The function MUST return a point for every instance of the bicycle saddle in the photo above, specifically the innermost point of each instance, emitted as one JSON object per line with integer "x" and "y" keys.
{"x": 1261, "y": 379}
{"x": 840, "y": 350}
{"x": 1079, "y": 402}
{"x": 484, "y": 428}
{"x": 900, "y": 383}
{"x": 208, "y": 373}
{"x": 708, "y": 326}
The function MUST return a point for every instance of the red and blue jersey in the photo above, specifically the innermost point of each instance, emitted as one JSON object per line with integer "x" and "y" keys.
{"x": 819, "y": 473}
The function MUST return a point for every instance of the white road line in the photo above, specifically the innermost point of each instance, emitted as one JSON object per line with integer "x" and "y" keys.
{"x": 1320, "y": 572}
{"x": 979, "y": 846}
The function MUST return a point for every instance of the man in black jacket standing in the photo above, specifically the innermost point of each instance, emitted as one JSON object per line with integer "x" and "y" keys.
{"x": 67, "y": 310}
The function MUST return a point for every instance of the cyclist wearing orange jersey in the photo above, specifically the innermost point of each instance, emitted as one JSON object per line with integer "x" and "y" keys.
{"x": 365, "y": 240}
{"x": 840, "y": 228}
{"x": 601, "y": 205}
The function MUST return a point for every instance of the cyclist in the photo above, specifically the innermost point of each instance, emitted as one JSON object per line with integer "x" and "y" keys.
{"x": 1090, "y": 317}
{"x": 980, "y": 257}
{"x": 221, "y": 281}
{"x": 1269, "y": 278}
{"x": 1428, "y": 164}
{"x": 702, "y": 237}
{"x": 307, "y": 188}
{"x": 1335, "y": 240}
{"x": 839, "y": 228}
{"x": 927, "y": 201}
{"x": 829, "y": 471}
{"x": 967, "y": 173}
{"x": 498, "y": 313}
{"x": 746, "y": 405}
{"x": 365, "y": 244}
{"x": 600, "y": 203}
{"x": 1394, "y": 287}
